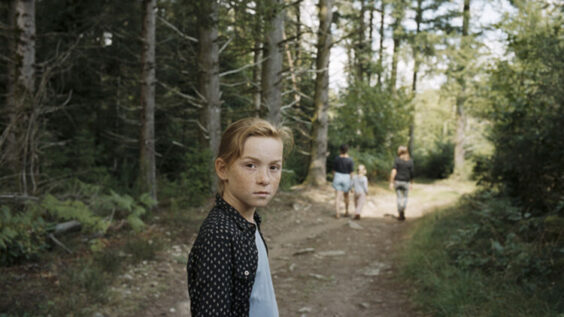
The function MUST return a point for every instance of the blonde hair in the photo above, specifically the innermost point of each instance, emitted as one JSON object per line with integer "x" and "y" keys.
{"x": 362, "y": 170}
{"x": 234, "y": 137}
{"x": 402, "y": 149}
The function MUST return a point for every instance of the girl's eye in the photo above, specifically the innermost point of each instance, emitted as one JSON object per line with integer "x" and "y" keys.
{"x": 250, "y": 165}
{"x": 275, "y": 168}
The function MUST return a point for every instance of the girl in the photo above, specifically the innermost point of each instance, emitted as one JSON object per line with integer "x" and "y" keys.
{"x": 360, "y": 187}
{"x": 401, "y": 179}
{"x": 228, "y": 269}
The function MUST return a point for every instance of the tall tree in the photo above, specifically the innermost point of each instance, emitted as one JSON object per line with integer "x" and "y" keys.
{"x": 257, "y": 56}
{"x": 19, "y": 139}
{"x": 208, "y": 76}
{"x": 398, "y": 33}
{"x": 380, "y": 66}
{"x": 361, "y": 54}
{"x": 317, "y": 171}
{"x": 459, "y": 150}
{"x": 416, "y": 63}
{"x": 147, "y": 165}
{"x": 271, "y": 81}
{"x": 371, "y": 8}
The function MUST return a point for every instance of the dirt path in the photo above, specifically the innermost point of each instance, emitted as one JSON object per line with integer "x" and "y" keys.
{"x": 321, "y": 266}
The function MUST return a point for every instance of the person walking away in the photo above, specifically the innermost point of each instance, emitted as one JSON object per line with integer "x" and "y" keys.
{"x": 228, "y": 270}
{"x": 343, "y": 166}
{"x": 401, "y": 179}
{"x": 360, "y": 188}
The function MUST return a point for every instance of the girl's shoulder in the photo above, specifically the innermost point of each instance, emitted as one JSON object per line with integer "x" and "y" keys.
{"x": 219, "y": 221}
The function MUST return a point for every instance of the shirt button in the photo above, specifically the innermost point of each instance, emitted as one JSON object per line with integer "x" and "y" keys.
{"x": 247, "y": 273}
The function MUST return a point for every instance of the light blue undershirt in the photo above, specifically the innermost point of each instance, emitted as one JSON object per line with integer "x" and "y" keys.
{"x": 263, "y": 300}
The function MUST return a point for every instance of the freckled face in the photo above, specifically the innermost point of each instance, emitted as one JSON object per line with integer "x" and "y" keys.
{"x": 252, "y": 179}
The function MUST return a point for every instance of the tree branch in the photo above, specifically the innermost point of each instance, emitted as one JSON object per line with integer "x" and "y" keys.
{"x": 175, "y": 29}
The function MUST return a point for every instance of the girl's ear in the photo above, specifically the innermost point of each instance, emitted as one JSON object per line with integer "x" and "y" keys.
{"x": 221, "y": 169}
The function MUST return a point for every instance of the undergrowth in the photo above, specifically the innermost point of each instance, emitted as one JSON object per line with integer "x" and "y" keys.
{"x": 486, "y": 257}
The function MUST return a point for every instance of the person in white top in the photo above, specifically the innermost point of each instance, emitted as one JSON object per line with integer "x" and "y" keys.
{"x": 360, "y": 187}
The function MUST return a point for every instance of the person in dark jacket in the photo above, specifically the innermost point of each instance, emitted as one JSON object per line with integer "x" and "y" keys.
{"x": 343, "y": 167}
{"x": 401, "y": 179}
{"x": 228, "y": 269}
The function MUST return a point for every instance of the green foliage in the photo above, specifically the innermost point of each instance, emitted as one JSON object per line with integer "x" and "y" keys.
{"x": 377, "y": 164}
{"x": 74, "y": 210}
{"x": 371, "y": 121}
{"x": 192, "y": 186}
{"x": 500, "y": 238}
{"x": 21, "y": 235}
{"x": 435, "y": 162}
{"x": 528, "y": 111}
{"x": 485, "y": 258}
{"x": 96, "y": 211}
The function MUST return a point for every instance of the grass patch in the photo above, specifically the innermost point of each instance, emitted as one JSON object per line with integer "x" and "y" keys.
{"x": 484, "y": 285}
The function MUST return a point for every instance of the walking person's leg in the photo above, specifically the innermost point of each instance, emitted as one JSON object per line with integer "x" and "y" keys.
{"x": 338, "y": 198}
{"x": 346, "y": 194}
{"x": 360, "y": 200}
{"x": 401, "y": 193}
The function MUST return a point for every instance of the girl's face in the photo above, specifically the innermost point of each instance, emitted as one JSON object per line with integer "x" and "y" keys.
{"x": 251, "y": 180}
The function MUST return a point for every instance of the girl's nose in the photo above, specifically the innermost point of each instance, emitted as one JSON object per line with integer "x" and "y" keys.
{"x": 263, "y": 176}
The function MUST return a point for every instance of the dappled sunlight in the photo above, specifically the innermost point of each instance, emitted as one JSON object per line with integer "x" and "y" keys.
{"x": 423, "y": 198}
{"x": 381, "y": 201}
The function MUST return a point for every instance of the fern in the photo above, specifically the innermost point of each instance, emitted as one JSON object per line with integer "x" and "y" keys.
{"x": 124, "y": 202}
{"x": 147, "y": 200}
{"x": 74, "y": 210}
{"x": 21, "y": 235}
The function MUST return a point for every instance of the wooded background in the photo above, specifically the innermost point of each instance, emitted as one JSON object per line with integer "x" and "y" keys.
{"x": 113, "y": 108}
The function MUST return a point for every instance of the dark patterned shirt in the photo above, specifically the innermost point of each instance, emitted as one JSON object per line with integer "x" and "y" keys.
{"x": 404, "y": 169}
{"x": 222, "y": 263}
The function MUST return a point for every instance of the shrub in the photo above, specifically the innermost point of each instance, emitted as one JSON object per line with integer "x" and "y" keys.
{"x": 437, "y": 162}
{"x": 21, "y": 235}
{"x": 485, "y": 258}
{"x": 192, "y": 185}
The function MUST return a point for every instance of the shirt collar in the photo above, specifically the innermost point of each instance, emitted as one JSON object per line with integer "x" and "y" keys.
{"x": 235, "y": 215}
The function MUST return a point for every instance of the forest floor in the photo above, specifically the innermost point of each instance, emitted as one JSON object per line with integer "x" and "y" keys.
{"x": 321, "y": 266}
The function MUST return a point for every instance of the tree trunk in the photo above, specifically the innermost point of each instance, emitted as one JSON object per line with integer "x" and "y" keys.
{"x": 147, "y": 173}
{"x": 459, "y": 151}
{"x": 397, "y": 30}
{"x": 380, "y": 69}
{"x": 19, "y": 139}
{"x": 317, "y": 171}
{"x": 271, "y": 87}
{"x": 360, "y": 52}
{"x": 257, "y": 56}
{"x": 298, "y": 43}
{"x": 208, "y": 74}
{"x": 395, "y": 57}
{"x": 370, "y": 39}
{"x": 416, "y": 49}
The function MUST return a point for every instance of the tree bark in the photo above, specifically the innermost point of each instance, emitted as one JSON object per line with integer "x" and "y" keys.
{"x": 416, "y": 49}
{"x": 19, "y": 139}
{"x": 257, "y": 56}
{"x": 208, "y": 74}
{"x": 148, "y": 178}
{"x": 459, "y": 150}
{"x": 272, "y": 67}
{"x": 380, "y": 69}
{"x": 360, "y": 52}
{"x": 370, "y": 38}
{"x": 317, "y": 171}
